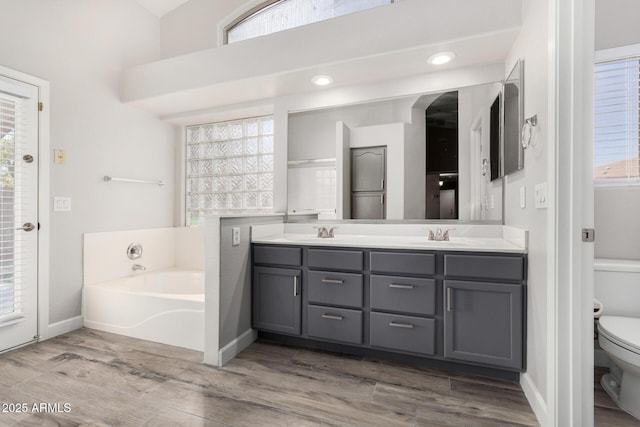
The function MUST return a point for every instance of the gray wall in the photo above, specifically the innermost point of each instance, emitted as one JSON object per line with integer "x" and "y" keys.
{"x": 617, "y": 23}
{"x": 235, "y": 276}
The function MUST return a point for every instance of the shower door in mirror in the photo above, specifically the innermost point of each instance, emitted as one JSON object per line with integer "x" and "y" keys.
{"x": 18, "y": 213}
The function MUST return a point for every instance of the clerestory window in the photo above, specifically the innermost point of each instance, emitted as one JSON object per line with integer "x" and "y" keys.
{"x": 273, "y": 16}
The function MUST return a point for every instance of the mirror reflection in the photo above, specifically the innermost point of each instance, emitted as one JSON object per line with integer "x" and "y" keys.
{"x": 423, "y": 157}
{"x": 513, "y": 120}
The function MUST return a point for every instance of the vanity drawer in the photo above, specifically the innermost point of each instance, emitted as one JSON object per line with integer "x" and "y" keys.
{"x": 405, "y": 333}
{"x": 404, "y": 294}
{"x": 277, "y": 255}
{"x": 484, "y": 267}
{"x": 336, "y": 324}
{"x": 403, "y": 263}
{"x": 332, "y": 288}
{"x": 330, "y": 259}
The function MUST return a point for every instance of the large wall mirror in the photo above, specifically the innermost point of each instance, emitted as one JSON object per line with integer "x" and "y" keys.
{"x": 421, "y": 157}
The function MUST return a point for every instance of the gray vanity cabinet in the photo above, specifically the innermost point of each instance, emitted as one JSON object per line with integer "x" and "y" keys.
{"x": 452, "y": 307}
{"x": 484, "y": 309}
{"x": 277, "y": 301}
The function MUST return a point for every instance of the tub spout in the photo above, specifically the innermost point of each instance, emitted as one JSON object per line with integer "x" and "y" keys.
{"x": 136, "y": 267}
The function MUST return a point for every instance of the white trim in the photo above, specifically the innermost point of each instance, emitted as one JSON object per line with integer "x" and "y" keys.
{"x": 227, "y": 20}
{"x": 534, "y": 397}
{"x": 236, "y": 346}
{"x": 615, "y": 53}
{"x": 572, "y": 91}
{"x": 65, "y": 326}
{"x": 212, "y": 290}
{"x": 43, "y": 194}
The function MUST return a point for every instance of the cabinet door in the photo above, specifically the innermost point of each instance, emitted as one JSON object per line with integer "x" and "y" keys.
{"x": 276, "y": 300}
{"x": 367, "y": 206}
{"x": 484, "y": 323}
{"x": 368, "y": 169}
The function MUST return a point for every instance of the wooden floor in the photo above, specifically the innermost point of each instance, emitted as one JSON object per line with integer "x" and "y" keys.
{"x": 607, "y": 413}
{"x": 118, "y": 381}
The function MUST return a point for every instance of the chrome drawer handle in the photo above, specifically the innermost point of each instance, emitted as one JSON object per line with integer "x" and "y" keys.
{"x": 448, "y": 299}
{"x": 295, "y": 286}
{"x": 399, "y": 286}
{"x": 333, "y": 281}
{"x": 401, "y": 325}
{"x": 332, "y": 317}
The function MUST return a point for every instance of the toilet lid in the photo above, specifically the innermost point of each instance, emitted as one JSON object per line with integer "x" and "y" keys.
{"x": 625, "y": 330}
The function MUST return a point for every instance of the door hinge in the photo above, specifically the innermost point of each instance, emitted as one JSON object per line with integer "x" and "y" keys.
{"x": 588, "y": 235}
{"x": 40, "y": 106}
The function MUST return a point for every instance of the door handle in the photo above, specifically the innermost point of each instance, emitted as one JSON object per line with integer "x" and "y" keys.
{"x": 401, "y": 325}
{"x": 332, "y": 317}
{"x": 332, "y": 281}
{"x": 295, "y": 286}
{"x": 27, "y": 226}
{"x": 448, "y": 299}
{"x": 400, "y": 286}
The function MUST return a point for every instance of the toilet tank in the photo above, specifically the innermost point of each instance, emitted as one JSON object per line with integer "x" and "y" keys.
{"x": 617, "y": 286}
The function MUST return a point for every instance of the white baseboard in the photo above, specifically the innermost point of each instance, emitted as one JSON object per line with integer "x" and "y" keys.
{"x": 236, "y": 346}
{"x": 534, "y": 397}
{"x": 63, "y": 327}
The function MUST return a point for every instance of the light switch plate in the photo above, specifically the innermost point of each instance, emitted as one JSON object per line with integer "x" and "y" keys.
{"x": 541, "y": 195}
{"x": 523, "y": 197}
{"x": 59, "y": 157}
{"x": 235, "y": 236}
{"x": 62, "y": 204}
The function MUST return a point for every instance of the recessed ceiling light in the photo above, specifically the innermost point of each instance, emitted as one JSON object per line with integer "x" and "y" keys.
{"x": 441, "y": 58}
{"x": 322, "y": 80}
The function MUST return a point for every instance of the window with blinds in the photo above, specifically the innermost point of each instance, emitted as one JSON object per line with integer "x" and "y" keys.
{"x": 229, "y": 168}
{"x": 616, "y": 132}
{"x": 273, "y": 16}
{"x": 12, "y": 133}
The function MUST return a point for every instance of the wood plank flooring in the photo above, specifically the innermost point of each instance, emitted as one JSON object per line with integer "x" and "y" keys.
{"x": 119, "y": 381}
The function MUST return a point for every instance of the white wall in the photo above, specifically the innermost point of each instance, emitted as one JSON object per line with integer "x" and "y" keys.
{"x": 532, "y": 47}
{"x": 80, "y": 47}
{"x": 617, "y": 23}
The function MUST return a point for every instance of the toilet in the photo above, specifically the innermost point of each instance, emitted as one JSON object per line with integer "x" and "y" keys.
{"x": 617, "y": 286}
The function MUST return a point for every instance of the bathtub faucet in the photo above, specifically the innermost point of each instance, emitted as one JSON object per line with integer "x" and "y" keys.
{"x": 136, "y": 267}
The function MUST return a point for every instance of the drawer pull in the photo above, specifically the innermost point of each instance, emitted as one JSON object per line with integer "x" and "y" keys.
{"x": 400, "y": 286}
{"x": 333, "y": 281}
{"x": 332, "y": 317}
{"x": 448, "y": 299}
{"x": 401, "y": 325}
{"x": 295, "y": 286}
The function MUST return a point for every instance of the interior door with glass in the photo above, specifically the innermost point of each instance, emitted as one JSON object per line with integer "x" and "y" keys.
{"x": 18, "y": 213}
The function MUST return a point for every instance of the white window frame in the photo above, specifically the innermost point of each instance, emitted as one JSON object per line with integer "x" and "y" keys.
{"x": 243, "y": 12}
{"x": 613, "y": 54}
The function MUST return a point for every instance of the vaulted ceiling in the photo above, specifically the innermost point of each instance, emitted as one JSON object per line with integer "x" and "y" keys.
{"x": 161, "y": 7}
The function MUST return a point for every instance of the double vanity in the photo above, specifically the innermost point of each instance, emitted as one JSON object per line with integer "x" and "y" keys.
{"x": 389, "y": 291}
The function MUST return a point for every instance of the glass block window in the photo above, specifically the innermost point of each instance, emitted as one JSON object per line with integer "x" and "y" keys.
{"x": 273, "y": 16}
{"x": 229, "y": 167}
{"x": 616, "y": 121}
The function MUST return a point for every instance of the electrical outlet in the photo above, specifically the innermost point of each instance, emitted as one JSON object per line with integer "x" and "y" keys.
{"x": 59, "y": 157}
{"x": 235, "y": 236}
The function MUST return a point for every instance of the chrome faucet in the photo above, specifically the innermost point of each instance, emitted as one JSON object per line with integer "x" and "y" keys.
{"x": 136, "y": 267}
{"x": 323, "y": 233}
{"x": 440, "y": 235}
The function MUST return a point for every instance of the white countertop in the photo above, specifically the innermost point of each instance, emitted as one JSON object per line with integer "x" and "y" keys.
{"x": 471, "y": 244}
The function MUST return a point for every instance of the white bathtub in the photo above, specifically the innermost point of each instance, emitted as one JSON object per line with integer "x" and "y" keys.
{"x": 163, "y": 306}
